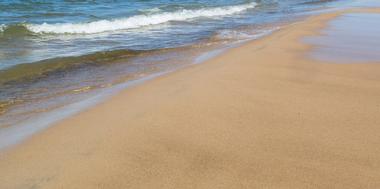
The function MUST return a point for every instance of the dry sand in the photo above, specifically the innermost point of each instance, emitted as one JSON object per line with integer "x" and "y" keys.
{"x": 262, "y": 115}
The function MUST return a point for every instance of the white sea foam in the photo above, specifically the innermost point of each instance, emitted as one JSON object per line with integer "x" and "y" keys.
{"x": 249, "y": 34}
{"x": 137, "y": 21}
{"x": 2, "y": 27}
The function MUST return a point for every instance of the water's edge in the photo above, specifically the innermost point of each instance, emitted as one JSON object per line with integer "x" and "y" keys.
{"x": 14, "y": 135}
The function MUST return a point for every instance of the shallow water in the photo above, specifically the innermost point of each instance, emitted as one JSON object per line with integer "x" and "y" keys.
{"x": 350, "y": 38}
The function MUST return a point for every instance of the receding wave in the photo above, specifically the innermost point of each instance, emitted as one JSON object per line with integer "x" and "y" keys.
{"x": 137, "y": 21}
{"x": 40, "y": 69}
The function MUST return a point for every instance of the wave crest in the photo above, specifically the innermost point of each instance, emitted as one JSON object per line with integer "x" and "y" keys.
{"x": 136, "y": 21}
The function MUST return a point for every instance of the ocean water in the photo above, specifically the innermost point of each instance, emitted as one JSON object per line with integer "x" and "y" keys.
{"x": 33, "y": 30}
{"x": 55, "y": 53}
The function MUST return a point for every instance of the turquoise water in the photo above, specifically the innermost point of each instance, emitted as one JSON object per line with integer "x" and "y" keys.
{"x": 57, "y": 53}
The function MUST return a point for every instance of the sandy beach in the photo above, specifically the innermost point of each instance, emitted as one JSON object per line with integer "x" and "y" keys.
{"x": 262, "y": 115}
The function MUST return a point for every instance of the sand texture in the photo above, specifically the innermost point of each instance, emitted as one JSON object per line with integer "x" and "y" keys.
{"x": 263, "y": 115}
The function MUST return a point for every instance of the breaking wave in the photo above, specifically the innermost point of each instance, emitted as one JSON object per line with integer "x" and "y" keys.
{"x": 136, "y": 21}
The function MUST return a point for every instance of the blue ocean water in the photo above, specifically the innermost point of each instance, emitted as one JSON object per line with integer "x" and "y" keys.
{"x": 58, "y": 52}
{"x": 33, "y": 30}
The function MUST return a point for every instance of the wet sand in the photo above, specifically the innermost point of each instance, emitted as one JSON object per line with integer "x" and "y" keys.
{"x": 350, "y": 38}
{"x": 263, "y": 115}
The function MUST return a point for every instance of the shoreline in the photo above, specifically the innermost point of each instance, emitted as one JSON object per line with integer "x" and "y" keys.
{"x": 69, "y": 79}
{"x": 11, "y": 136}
{"x": 259, "y": 115}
